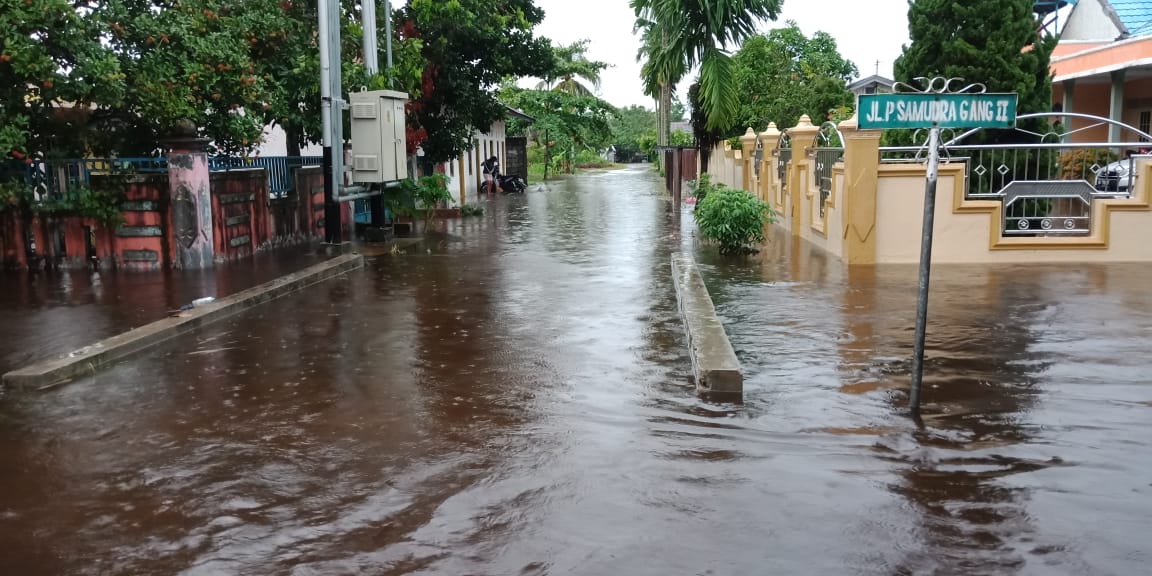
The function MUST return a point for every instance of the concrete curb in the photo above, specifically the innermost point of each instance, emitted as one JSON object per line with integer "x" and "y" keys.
{"x": 714, "y": 361}
{"x": 95, "y": 357}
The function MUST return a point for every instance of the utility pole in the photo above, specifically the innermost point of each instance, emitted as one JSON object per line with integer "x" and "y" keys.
{"x": 372, "y": 66}
{"x": 331, "y": 115}
{"x": 388, "y": 40}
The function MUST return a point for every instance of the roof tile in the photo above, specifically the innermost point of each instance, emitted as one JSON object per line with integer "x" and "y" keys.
{"x": 1136, "y": 15}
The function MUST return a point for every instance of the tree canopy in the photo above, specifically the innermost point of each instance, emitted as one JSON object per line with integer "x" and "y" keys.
{"x": 1006, "y": 53}
{"x": 116, "y": 76}
{"x": 571, "y": 68}
{"x": 678, "y": 35}
{"x": 565, "y": 124}
{"x": 783, "y": 74}
{"x": 634, "y": 133}
{"x": 469, "y": 47}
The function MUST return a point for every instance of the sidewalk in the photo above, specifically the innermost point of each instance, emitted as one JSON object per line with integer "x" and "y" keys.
{"x": 50, "y": 313}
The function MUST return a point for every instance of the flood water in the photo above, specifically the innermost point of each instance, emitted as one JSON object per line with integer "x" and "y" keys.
{"x": 47, "y": 313}
{"x": 514, "y": 397}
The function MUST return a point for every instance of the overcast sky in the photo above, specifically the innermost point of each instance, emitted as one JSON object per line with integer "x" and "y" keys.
{"x": 866, "y": 32}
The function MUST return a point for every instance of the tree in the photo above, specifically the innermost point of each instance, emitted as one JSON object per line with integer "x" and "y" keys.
{"x": 570, "y": 65}
{"x": 469, "y": 47}
{"x": 784, "y": 74}
{"x": 677, "y": 112}
{"x": 50, "y": 54}
{"x": 659, "y": 74}
{"x": 706, "y": 136}
{"x": 565, "y": 122}
{"x": 633, "y": 128}
{"x": 1006, "y": 53}
{"x": 198, "y": 62}
{"x": 681, "y": 34}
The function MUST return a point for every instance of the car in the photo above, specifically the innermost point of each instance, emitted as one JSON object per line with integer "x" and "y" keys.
{"x": 1118, "y": 177}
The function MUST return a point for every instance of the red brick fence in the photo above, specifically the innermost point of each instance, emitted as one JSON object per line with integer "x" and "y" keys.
{"x": 245, "y": 219}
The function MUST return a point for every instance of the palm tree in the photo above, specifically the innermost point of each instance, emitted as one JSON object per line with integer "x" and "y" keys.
{"x": 682, "y": 34}
{"x": 659, "y": 73}
{"x": 570, "y": 65}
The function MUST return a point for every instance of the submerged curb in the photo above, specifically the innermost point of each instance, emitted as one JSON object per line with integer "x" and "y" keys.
{"x": 95, "y": 357}
{"x": 714, "y": 362}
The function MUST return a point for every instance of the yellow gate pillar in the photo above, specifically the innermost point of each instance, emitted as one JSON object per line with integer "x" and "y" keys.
{"x": 748, "y": 146}
{"x": 769, "y": 141}
{"x": 803, "y": 140}
{"x": 861, "y": 180}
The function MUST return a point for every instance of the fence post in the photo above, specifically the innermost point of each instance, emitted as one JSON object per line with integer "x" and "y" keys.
{"x": 861, "y": 181}
{"x": 748, "y": 145}
{"x": 803, "y": 139}
{"x": 769, "y": 140}
{"x": 191, "y": 201}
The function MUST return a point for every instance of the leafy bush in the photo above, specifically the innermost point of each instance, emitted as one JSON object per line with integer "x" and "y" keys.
{"x": 699, "y": 189}
{"x": 429, "y": 191}
{"x": 471, "y": 210}
{"x": 681, "y": 138}
{"x": 1076, "y": 164}
{"x": 732, "y": 218}
{"x": 588, "y": 157}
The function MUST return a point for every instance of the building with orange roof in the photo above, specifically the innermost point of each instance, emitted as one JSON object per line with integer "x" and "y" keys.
{"x": 1103, "y": 66}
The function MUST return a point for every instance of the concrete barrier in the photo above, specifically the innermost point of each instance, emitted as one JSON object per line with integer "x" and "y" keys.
{"x": 714, "y": 362}
{"x": 92, "y": 358}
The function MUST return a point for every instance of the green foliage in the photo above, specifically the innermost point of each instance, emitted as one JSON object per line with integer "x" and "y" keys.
{"x": 100, "y": 200}
{"x": 99, "y": 204}
{"x": 570, "y": 65}
{"x": 1005, "y": 53}
{"x": 784, "y": 74}
{"x": 467, "y": 210}
{"x": 679, "y": 35}
{"x": 429, "y": 191}
{"x": 682, "y": 138}
{"x": 14, "y": 195}
{"x": 1076, "y": 164}
{"x": 732, "y": 218}
{"x": 565, "y": 123}
{"x": 634, "y": 133}
{"x": 49, "y": 53}
{"x": 699, "y": 189}
{"x": 133, "y": 71}
{"x": 469, "y": 46}
{"x": 705, "y": 135}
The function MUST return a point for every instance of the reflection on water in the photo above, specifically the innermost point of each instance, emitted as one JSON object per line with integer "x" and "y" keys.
{"x": 514, "y": 397}
{"x": 53, "y": 312}
{"x": 1028, "y": 368}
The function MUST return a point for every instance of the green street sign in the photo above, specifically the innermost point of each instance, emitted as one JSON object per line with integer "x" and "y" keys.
{"x": 915, "y": 110}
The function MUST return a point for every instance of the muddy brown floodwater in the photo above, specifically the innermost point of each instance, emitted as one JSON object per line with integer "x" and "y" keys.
{"x": 514, "y": 398}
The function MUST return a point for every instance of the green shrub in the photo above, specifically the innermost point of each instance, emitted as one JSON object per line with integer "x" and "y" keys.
{"x": 734, "y": 219}
{"x": 699, "y": 189}
{"x": 429, "y": 191}
{"x": 471, "y": 210}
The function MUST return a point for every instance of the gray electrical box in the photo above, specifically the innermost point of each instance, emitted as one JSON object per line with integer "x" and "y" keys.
{"x": 379, "y": 149}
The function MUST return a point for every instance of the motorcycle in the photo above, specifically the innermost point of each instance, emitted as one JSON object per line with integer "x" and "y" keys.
{"x": 511, "y": 184}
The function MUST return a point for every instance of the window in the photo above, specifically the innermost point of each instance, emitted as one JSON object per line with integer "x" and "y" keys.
{"x": 1145, "y": 125}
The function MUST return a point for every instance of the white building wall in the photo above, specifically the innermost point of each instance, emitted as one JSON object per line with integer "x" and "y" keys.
{"x": 1090, "y": 20}
{"x": 485, "y": 146}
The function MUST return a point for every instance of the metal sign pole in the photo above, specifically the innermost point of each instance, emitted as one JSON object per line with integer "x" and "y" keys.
{"x": 925, "y": 269}
{"x": 935, "y": 107}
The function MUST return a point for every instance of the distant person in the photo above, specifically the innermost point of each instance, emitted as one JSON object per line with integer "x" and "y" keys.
{"x": 491, "y": 173}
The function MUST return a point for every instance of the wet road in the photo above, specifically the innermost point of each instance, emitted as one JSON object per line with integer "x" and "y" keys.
{"x": 514, "y": 399}
{"x": 50, "y": 313}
